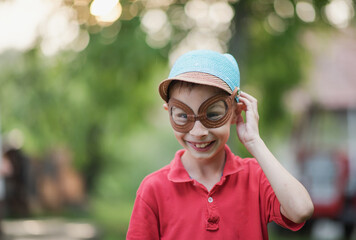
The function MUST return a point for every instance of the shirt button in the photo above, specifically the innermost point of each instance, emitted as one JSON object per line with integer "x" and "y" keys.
{"x": 210, "y": 199}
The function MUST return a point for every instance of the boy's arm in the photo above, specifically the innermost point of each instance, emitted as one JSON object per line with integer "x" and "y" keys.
{"x": 295, "y": 201}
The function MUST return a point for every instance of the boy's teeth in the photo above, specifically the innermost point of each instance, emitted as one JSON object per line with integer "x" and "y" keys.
{"x": 202, "y": 145}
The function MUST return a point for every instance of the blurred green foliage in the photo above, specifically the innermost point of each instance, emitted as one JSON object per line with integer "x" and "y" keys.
{"x": 99, "y": 103}
{"x": 103, "y": 103}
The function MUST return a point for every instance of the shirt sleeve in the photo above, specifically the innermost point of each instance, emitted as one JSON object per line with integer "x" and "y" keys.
{"x": 272, "y": 207}
{"x": 144, "y": 222}
{"x": 281, "y": 220}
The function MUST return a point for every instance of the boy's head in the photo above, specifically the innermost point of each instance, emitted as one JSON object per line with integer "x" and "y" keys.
{"x": 203, "y": 67}
{"x": 200, "y": 97}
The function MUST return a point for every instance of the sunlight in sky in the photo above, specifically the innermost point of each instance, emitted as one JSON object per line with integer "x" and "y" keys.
{"x": 102, "y": 7}
{"x": 284, "y": 8}
{"x": 49, "y": 23}
{"x": 276, "y": 24}
{"x": 305, "y": 11}
{"x": 111, "y": 16}
{"x": 339, "y": 13}
{"x": 18, "y": 25}
{"x": 56, "y": 25}
{"x": 155, "y": 23}
{"x": 106, "y": 11}
{"x": 208, "y": 26}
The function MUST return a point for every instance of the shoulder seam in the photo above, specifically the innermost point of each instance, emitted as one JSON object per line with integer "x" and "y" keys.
{"x": 143, "y": 200}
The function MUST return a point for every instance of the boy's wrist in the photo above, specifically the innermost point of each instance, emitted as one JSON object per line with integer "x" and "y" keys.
{"x": 255, "y": 146}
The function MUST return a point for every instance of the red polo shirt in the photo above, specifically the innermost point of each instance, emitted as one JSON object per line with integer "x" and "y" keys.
{"x": 171, "y": 205}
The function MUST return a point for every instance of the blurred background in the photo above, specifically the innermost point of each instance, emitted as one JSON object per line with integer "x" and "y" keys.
{"x": 82, "y": 122}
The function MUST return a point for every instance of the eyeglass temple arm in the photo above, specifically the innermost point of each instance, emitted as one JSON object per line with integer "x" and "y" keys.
{"x": 235, "y": 93}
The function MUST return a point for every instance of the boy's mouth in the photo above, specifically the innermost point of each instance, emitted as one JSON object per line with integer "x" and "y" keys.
{"x": 201, "y": 147}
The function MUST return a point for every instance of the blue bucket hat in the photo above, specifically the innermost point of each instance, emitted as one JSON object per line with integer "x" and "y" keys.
{"x": 204, "y": 67}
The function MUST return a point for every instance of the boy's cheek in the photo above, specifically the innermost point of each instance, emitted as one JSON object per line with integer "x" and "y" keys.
{"x": 179, "y": 135}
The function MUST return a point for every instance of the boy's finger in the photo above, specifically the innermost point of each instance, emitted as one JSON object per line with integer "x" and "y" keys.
{"x": 248, "y": 96}
{"x": 253, "y": 101}
{"x": 249, "y": 108}
{"x": 247, "y": 104}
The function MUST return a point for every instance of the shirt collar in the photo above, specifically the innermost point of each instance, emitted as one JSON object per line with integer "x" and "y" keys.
{"x": 232, "y": 164}
{"x": 177, "y": 172}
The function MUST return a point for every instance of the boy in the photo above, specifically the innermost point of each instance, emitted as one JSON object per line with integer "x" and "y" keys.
{"x": 207, "y": 192}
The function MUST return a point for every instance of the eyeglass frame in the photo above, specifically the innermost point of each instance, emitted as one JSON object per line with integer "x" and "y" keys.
{"x": 202, "y": 116}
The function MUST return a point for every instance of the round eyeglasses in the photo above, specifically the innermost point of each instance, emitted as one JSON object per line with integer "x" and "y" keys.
{"x": 212, "y": 113}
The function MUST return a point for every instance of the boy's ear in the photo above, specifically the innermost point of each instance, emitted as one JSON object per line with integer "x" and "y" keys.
{"x": 234, "y": 115}
{"x": 239, "y": 107}
{"x": 165, "y": 106}
{"x": 234, "y": 118}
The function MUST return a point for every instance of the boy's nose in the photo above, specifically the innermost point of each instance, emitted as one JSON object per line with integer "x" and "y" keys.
{"x": 198, "y": 130}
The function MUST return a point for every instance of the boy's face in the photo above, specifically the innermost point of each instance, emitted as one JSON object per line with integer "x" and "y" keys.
{"x": 201, "y": 142}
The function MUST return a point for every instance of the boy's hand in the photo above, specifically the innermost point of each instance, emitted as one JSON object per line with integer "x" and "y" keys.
{"x": 247, "y": 131}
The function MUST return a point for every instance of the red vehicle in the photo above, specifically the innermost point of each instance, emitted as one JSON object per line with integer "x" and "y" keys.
{"x": 326, "y": 154}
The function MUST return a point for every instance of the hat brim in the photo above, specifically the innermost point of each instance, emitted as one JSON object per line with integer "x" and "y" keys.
{"x": 193, "y": 77}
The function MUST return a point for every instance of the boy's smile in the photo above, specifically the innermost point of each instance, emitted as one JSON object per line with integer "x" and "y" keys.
{"x": 201, "y": 142}
{"x": 201, "y": 146}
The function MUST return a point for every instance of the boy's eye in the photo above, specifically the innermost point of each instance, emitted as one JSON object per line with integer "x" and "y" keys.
{"x": 182, "y": 115}
{"x": 216, "y": 111}
{"x": 214, "y": 116}
{"x": 179, "y": 116}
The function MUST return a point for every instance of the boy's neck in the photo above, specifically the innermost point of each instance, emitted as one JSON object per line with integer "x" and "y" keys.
{"x": 206, "y": 172}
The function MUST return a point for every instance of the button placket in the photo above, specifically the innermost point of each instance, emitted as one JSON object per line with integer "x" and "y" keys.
{"x": 213, "y": 217}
